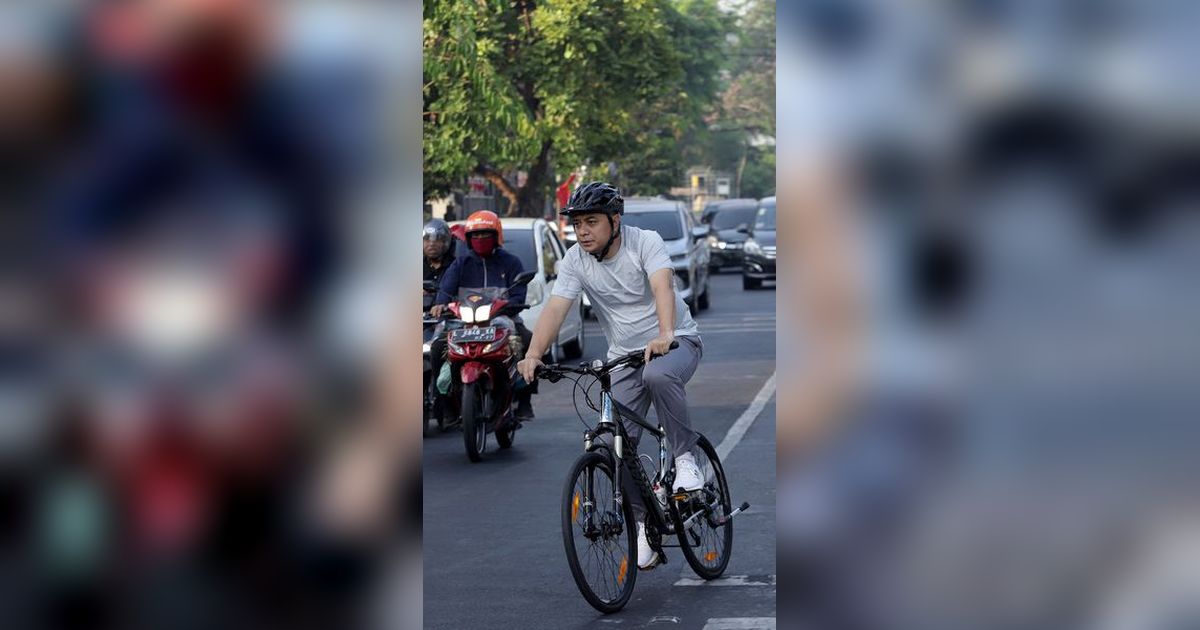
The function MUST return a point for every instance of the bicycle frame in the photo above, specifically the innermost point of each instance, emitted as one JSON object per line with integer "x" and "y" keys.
{"x": 610, "y": 412}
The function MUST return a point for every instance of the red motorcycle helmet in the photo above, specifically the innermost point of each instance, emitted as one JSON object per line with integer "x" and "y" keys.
{"x": 484, "y": 221}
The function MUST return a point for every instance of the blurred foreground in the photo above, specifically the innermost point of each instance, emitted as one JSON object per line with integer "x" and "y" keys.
{"x": 204, "y": 419}
{"x": 993, "y": 215}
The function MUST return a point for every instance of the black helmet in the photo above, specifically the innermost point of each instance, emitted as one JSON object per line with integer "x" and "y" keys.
{"x": 437, "y": 230}
{"x": 595, "y": 197}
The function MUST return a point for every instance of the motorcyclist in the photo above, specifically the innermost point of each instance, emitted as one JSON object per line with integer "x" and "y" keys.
{"x": 436, "y": 244}
{"x": 628, "y": 276}
{"x": 487, "y": 265}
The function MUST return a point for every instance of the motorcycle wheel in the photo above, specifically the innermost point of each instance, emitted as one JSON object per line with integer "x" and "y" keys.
{"x": 474, "y": 421}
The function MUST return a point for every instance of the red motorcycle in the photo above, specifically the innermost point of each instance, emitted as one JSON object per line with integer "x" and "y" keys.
{"x": 483, "y": 361}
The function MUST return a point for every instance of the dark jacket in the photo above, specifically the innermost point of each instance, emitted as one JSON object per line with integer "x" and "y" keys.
{"x": 472, "y": 271}
{"x": 436, "y": 274}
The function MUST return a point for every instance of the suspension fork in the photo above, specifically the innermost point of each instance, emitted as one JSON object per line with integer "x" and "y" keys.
{"x": 608, "y": 424}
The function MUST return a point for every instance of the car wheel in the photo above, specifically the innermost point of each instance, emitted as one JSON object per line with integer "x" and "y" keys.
{"x": 749, "y": 284}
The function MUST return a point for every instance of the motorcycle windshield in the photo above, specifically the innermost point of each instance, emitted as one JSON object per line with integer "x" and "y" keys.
{"x": 480, "y": 295}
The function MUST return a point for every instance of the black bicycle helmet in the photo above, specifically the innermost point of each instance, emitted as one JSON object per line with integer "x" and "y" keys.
{"x": 597, "y": 197}
{"x": 437, "y": 230}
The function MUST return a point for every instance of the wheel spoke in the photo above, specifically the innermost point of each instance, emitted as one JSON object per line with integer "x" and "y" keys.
{"x": 603, "y": 561}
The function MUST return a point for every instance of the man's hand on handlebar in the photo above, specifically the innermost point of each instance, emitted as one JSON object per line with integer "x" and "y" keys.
{"x": 660, "y": 345}
{"x": 527, "y": 367}
{"x": 437, "y": 309}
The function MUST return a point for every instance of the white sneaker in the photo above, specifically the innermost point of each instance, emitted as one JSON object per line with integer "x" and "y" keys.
{"x": 647, "y": 557}
{"x": 687, "y": 474}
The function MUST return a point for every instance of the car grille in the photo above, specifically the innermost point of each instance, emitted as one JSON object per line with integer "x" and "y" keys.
{"x": 769, "y": 251}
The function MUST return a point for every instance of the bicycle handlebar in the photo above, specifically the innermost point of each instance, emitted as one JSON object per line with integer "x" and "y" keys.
{"x": 555, "y": 372}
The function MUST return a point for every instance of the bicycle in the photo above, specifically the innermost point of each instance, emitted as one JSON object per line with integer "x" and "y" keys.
{"x": 597, "y": 517}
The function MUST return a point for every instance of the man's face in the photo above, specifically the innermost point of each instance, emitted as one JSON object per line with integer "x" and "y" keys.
{"x": 593, "y": 230}
{"x": 434, "y": 248}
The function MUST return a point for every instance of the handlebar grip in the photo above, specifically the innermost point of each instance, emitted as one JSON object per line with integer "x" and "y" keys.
{"x": 674, "y": 345}
{"x": 547, "y": 373}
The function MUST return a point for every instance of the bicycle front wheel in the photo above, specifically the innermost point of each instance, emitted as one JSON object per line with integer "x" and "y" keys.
{"x": 702, "y": 523}
{"x": 599, "y": 537}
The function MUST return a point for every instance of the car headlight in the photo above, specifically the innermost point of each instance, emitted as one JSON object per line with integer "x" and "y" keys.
{"x": 467, "y": 314}
{"x": 713, "y": 242}
{"x": 733, "y": 245}
{"x": 483, "y": 313}
{"x": 752, "y": 247}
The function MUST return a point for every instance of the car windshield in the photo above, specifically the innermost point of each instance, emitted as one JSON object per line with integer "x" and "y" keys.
{"x": 519, "y": 243}
{"x": 666, "y": 223}
{"x": 733, "y": 217}
{"x": 766, "y": 218}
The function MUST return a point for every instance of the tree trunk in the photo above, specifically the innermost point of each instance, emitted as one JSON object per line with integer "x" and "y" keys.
{"x": 492, "y": 175}
{"x": 532, "y": 196}
{"x": 737, "y": 186}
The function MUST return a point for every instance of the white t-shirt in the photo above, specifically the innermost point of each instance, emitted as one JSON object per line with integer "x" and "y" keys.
{"x": 619, "y": 289}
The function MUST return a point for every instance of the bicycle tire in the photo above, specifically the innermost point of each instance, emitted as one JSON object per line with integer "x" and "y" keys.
{"x": 572, "y": 504}
{"x": 705, "y": 567}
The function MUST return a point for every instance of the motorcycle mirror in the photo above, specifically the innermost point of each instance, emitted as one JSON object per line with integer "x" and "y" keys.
{"x": 524, "y": 278}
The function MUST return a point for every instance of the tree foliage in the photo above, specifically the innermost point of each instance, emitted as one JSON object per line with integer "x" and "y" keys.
{"x": 527, "y": 85}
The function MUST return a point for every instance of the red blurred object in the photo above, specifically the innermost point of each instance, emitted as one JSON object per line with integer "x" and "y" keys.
{"x": 459, "y": 232}
{"x": 564, "y": 192}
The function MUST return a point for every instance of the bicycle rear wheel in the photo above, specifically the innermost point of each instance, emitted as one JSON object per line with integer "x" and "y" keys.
{"x": 599, "y": 539}
{"x": 707, "y": 540}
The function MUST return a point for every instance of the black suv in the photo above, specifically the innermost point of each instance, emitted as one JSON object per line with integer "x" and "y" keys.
{"x": 724, "y": 218}
{"x": 758, "y": 251}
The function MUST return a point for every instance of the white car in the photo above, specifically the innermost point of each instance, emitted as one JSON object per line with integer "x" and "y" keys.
{"x": 534, "y": 241}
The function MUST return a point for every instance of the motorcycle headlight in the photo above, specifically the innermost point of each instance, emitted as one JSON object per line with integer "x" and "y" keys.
{"x": 425, "y": 347}
{"x": 752, "y": 247}
{"x": 483, "y": 313}
{"x": 467, "y": 314}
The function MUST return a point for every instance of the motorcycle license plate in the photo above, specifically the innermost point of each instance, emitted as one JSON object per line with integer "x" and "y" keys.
{"x": 468, "y": 335}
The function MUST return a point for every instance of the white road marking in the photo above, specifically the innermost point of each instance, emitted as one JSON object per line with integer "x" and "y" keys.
{"x": 729, "y": 580}
{"x": 740, "y": 623}
{"x": 739, "y": 428}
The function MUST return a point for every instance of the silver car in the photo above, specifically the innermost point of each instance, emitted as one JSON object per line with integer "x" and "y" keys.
{"x": 686, "y": 243}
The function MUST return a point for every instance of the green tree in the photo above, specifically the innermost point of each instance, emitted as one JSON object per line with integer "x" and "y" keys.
{"x": 747, "y": 109}
{"x": 521, "y": 84}
{"x": 674, "y": 131}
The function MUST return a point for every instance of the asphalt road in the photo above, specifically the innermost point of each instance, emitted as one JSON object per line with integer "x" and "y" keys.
{"x": 493, "y": 554}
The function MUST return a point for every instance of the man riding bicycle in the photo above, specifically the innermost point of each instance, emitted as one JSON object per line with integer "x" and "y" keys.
{"x": 628, "y": 277}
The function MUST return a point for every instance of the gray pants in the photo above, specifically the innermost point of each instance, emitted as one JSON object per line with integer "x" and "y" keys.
{"x": 661, "y": 381}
